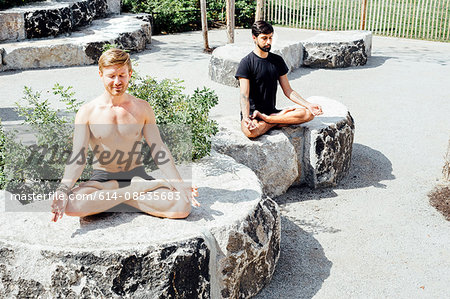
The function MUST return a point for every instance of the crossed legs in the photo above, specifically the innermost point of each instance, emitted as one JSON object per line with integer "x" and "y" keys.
{"x": 153, "y": 197}
{"x": 263, "y": 123}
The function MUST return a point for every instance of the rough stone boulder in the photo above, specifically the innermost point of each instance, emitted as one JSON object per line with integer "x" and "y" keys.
{"x": 227, "y": 248}
{"x": 131, "y": 32}
{"x": 316, "y": 153}
{"x": 225, "y": 60}
{"x": 337, "y": 49}
{"x": 272, "y": 156}
{"x": 326, "y": 50}
{"x": 52, "y": 18}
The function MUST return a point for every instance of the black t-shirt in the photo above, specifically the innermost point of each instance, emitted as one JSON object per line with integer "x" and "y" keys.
{"x": 263, "y": 74}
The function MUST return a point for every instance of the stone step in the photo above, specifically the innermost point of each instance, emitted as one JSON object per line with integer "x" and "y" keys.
{"x": 52, "y": 18}
{"x": 84, "y": 47}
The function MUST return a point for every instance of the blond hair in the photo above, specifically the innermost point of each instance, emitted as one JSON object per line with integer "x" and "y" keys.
{"x": 114, "y": 57}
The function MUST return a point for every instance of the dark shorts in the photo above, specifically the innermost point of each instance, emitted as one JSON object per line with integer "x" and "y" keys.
{"x": 267, "y": 113}
{"x": 123, "y": 177}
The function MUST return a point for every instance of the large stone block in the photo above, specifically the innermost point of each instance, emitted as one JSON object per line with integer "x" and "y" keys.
{"x": 272, "y": 156}
{"x": 324, "y": 152}
{"x": 316, "y": 153}
{"x": 227, "y": 248}
{"x": 12, "y": 26}
{"x": 225, "y": 60}
{"x": 114, "y": 6}
{"x": 131, "y": 32}
{"x": 337, "y": 49}
{"x": 327, "y": 50}
{"x": 52, "y": 18}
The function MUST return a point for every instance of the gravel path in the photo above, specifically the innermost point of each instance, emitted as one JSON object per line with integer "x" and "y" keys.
{"x": 375, "y": 235}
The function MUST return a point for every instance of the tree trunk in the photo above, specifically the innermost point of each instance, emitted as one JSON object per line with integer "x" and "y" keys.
{"x": 230, "y": 21}
{"x": 259, "y": 15}
{"x": 204, "y": 24}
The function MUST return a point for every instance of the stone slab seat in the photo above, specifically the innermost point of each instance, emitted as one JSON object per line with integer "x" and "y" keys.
{"x": 316, "y": 153}
{"x": 227, "y": 248}
{"x": 52, "y": 18}
{"x": 131, "y": 32}
{"x": 329, "y": 50}
{"x": 337, "y": 49}
{"x": 225, "y": 60}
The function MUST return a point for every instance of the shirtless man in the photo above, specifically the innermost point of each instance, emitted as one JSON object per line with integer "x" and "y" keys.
{"x": 115, "y": 122}
{"x": 259, "y": 73}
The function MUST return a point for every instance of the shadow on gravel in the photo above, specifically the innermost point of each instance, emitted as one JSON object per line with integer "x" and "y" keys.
{"x": 302, "y": 267}
{"x": 368, "y": 167}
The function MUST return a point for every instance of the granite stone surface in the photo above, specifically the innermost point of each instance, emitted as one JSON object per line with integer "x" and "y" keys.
{"x": 131, "y": 32}
{"x": 316, "y": 153}
{"x": 337, "y": 49}
{"x": 227, "y": 248}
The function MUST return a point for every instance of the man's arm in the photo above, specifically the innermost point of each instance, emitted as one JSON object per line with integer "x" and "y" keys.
{"x": 81, "y": 136}
{"x": 153, "y": 139}
{"x": 291, "y": 94}
{"x": 77, "y": 160}
{"x": 244, "y": 86}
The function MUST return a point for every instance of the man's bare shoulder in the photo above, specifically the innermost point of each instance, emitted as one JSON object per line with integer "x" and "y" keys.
{"x": 140, "y": 102}
{"x": 86, "y": 109}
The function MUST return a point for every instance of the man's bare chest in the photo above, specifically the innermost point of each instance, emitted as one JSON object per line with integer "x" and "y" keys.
{"x": 116, "y": 124}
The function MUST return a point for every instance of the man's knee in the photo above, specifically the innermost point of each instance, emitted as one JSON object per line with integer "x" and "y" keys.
{"x": 76, "y": 204}
{"x": 306, "y": 115}
{"x": 251, "y": 134}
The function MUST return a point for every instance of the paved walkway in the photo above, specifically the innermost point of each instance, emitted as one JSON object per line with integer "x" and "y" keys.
{"x": 373, "y": 236}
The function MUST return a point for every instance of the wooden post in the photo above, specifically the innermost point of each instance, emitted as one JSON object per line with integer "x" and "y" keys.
{"x": 230, "y": 21}
{"x": 204, "y": 24}
{"x": 363, "y": 13}
{"x": 259, "y": 14}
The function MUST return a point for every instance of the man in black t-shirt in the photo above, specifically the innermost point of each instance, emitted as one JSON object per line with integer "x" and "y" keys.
{"x": 258, "y": 74}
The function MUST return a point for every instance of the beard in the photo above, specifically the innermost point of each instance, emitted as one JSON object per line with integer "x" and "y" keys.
{"x": 265, "y": 49}
{"x": 117, "y": 92}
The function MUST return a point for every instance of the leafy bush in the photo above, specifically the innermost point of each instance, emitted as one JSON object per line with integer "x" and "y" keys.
{"x": 171, "y": 106}
{"x": 22, "y": 169}
{"x": 25, "y": 169}
{"x": 4, "y": 4}
{"x": 184, "y": 15}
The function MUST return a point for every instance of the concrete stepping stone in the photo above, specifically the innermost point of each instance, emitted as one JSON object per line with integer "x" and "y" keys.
{"x": 131, "y": 32}
{"x": 316, "y": 153}
{"x": 337, "y": 49}
{"x": 227, "y": 248}
{"x": 52, "y": 18}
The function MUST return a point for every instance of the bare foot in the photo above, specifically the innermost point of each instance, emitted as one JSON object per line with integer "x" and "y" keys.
{"x": 259, "y": 115}
{"x": 94, "y": 184}
{"x": 143, "y": 185}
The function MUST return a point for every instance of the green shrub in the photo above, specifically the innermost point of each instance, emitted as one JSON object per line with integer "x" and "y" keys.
{"x": 4, "y": 4}
{"x": 25, "y": 169}
{"x": 172, "y": 107}
{"x": 184, "y": 15}
{"x": 22, "y": 166}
